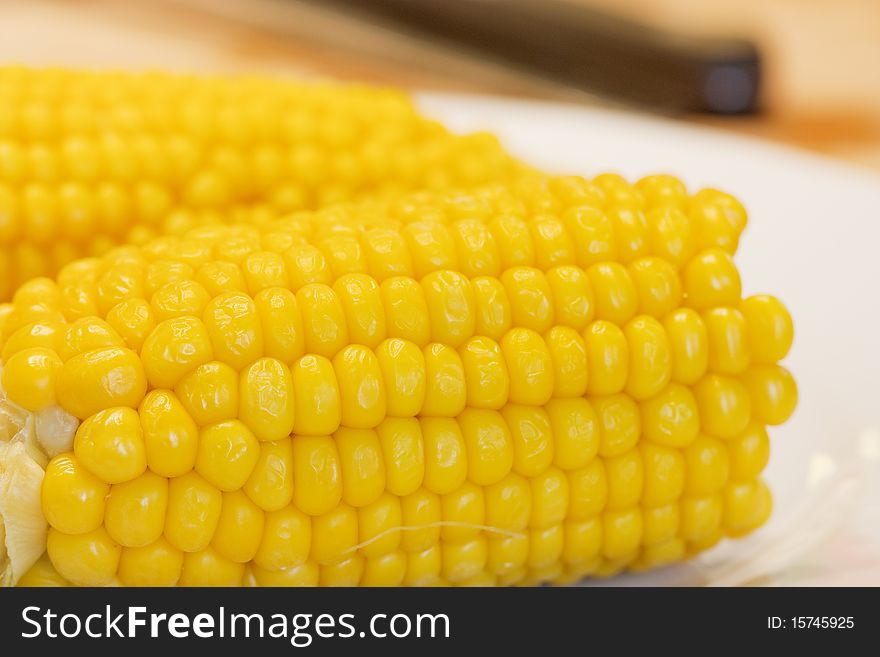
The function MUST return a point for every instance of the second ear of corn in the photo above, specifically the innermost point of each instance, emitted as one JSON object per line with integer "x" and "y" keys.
{"x": 90, "y": 160}
{"x": 515, "y": 385}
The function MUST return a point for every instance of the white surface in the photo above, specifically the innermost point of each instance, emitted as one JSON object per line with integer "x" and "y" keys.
{"x": 813, "y": 240}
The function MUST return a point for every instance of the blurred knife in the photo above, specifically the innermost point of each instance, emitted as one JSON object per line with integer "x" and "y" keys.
{"x": 588, "y": 49}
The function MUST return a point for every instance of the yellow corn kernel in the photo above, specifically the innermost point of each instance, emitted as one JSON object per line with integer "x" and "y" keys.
{"x": 553, "y": 244}
{"x": 171, "y": 438}
{"x": 492, "y": 309}
{"x": 711, "y": 280}
{"x": 135, "y": 512}
{"x": 665, "y": 474}
{"x": 619, "y": 424}
{"x": 545, "y": 551}
{"x": 386, "y": 570}
{"x": 220, "y": 277}
{"x": 157, "y": 564}
{"x": 387, "y": 254}
{"x": 615, "y": 292}
{"x": 770, "y": 330}
{"x": 509, "y": 503}
{"x": 587, "y": 491}
{"x": 708, "y": 465}
{"x": 486, "y": 377}
{"x": 343, "y": 573}
{"x": 514, "y": 240}
{"x": 625, "y": 477}
{"x": 162, "y": 272}
{"x": 506, "y": 554}
{"x": 672, "y": 235}
{"x": 450, "y": 305}
{"x": 593, "y": 234}
{"x": 306, "y": 265}
{"x": 488, "y": 445}
{"x": 607, "y": 358}
{"x": 531, "y": 437}
{"x": 463, "y": 513}
{"x": 361, "y": 388}
{"x": 89, "y": 559}
{"x": 379, "y": 526}
{"x": 361, "y": 301}
{"x": 464, "y": 560}
{"x": 700, "y": 516}
{"x": 529, "y": 367}
{"x": 660, "y": 523}
{"x": 120, "y": 282}
{"x": 47, "y": 334}
{"x": 748, "y": 453}
{"x": 746, "y": 506}
{"x": 88, "y": 334}
{"x": 658, "y": 287}
{"x": 445, "y": 390}
{"x": 173, "y": 349}
{"x": 423, "y": 568}
{"x": 582, "y": 540}
{"x": 208, "y": 568}
{"x": 403, "y": 452}
{"x": 621, "y": 533}
{"x": 110, "y": 444}
{"x": 133, "y": 321}
{"x": 72, "y": 498}
{"x": 573, "y": 298}
{"x": 266, "y": 397}
{"x": 421, "y": 515}
{"x": 650, "y": 358}
{"x": 476, "y": 248}
{"x": 234, "y": 329}
{"x": 660, "y": 554}
{"x": 334, "y": 534}
{"x": 286, "y": 539}
{"x": 402, "y": 367}
{"x": 99, "y": 379}
{"x": 239, "y": 528}
{"x": 263, "y": 270}
{"x": 568, "y": 357}
{"x": 576, "y": 432}
{"x": 29, "y": 378}
{"x": 406, "y": 312}
{"x": 361, "y": 464}
{"x": 446, "y": 463}
{"x": 689, "y": 343}
{"x": 672, "y": 418}
{"x": 209, "y": 393}
{"x": 724, "y": 405}
{"x": 270, "y": 485}
{"x": 773, "y": 393}
{"x": 728, "y": 343}
{"x": 317, "y": 406}
{"x": 317, "y": 474}
{"x": 193, "y": 512}
{"x": 549, "y": 498}
{"x": 228, "y": 453}
{"x": 531, "y": 303}
{"x": 283, "y": 332}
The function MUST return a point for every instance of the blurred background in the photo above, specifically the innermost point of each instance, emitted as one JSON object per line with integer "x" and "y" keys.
{"x": 813, "y": 62}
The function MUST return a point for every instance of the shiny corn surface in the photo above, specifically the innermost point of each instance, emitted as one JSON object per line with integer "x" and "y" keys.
{"x": 517, "y": 385}
{"x": 92, "y": 160}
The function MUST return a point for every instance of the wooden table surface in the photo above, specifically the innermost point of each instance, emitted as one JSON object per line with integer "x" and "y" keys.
{"x": 822, "y": 89}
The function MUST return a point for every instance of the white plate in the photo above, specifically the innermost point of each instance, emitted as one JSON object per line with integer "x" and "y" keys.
{"x": 814, "y": 241}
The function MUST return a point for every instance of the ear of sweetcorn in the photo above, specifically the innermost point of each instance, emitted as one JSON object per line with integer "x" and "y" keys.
{"x": 513, "y": 385}
{"x": 90, "y": 160}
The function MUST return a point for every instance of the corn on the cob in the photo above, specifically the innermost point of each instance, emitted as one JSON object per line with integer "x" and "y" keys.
{"x": 506, "y": 386}
{"x": 89, "y": 160}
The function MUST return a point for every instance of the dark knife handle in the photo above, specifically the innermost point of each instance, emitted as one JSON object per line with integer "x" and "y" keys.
{"x": 589, "y": 49}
